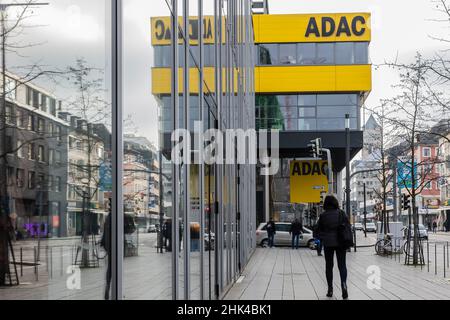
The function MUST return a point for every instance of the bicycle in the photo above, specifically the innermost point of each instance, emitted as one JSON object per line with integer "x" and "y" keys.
{"x": 384, "y": 246}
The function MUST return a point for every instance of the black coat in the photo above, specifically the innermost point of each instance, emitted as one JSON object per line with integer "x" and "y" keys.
{"x": 296, "y": 228}
{"x": 271, "y": 228}
{"x": 328, "y": 225}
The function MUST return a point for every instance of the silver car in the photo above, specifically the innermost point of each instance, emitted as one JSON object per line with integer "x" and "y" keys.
{"x": 282, "y": 236}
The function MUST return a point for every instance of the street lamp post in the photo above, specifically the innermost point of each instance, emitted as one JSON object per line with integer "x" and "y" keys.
{"x": 347, "y": 173}
{"x": 365, "y": 209}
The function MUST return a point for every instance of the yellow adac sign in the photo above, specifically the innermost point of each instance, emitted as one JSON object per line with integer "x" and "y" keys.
{"x": 162, "y": 30}
{"x": 308, "y": 180}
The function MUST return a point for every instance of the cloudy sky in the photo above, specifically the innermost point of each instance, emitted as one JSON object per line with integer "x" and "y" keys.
{"x": 70, "y": 29}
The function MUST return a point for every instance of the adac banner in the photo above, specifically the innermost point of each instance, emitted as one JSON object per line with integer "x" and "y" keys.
{"x": 308, "y": 180}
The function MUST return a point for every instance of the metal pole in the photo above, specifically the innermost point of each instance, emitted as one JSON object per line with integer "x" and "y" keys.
{"x": 21, "y": 261}
{"x": 175, "y": 168}
{"x": 347, "y": 173}
{"x": 61, "y": 260}
{"x": 330, "y": 170}
{"x": 394, "y": 192}
{"x": 435, "y": 259}
{"x": 117, "y": 217}
{"x": 161, "y": 202}
{"x": 200, "y": 145}
{"x": 443, "y": 249}
{"x": 186, "y": 166}
{"x": 365, "y": 210}
{"x": 428, "y": 255}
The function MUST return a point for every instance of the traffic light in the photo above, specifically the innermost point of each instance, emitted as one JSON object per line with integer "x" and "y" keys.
{"x": 405, "y": 201}
{"x": 316, "y": 147}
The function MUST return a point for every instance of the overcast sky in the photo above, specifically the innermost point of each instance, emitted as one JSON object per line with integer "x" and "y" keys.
{"x": 80, "y": 28}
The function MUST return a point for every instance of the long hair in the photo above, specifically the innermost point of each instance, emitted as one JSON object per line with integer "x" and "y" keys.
{"x": 330, "y": 203}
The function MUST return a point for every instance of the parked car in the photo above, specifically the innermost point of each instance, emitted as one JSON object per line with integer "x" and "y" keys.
{"x": 152, "y": 228}
{"x": 423, "y": 232}
{"x": 371, "y": 227}
{"x": 282, "y": 236}
{"x": 358, "y": 226}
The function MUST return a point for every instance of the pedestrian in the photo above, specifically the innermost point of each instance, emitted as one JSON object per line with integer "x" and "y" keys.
{"x": 271, "y": 231}
{"x": 295, "y": 231}
{"x": 434, "y": 226}
{"x": 319, "y": 243}
{"x": 329, "y": 223}
{"x": 168, "y": 235}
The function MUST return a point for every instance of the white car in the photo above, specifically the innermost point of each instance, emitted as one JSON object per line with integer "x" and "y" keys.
{"x": 423, "y": 232}
{"x": 371, "y": 227}
{"x": 282, "y": 236}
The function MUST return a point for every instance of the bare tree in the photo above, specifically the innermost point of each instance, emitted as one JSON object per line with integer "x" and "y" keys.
{"x": 90, "y": 107}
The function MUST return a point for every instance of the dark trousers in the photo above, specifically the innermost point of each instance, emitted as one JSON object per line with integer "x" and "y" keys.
{"x": 295, "y": 240}
{"x": 319, "y": 247}
{"x": 329, "y": 260}
{"x": 271, "y": 236}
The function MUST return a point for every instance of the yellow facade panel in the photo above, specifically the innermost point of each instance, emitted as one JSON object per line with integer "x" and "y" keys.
{"x": 295, "y": 79}
{"x": 282, "y": 28}
{"x": 161, "y": 80}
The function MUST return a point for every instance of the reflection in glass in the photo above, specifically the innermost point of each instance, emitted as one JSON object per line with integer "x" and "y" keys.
{"x": 268, "y": 54}
{"x": 288, "y": 54}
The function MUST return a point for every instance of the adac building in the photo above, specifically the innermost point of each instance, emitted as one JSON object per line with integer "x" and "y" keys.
{"x": 311, "y": 71}
{"x": 298, "y": 73}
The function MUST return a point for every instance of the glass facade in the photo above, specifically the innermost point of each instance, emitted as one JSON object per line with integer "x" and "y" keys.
{"x": 310, "y": 54}
{"x": 313, "y": 112}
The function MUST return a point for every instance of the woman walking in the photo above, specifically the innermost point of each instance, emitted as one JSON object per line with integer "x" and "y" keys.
{"x": 328, "y": 229}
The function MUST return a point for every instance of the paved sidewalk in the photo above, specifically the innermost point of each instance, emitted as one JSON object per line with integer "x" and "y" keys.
{"x": 286, "y": 274}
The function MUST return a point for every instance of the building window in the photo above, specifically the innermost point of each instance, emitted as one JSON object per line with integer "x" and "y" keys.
{"x": 50, "y": 183}
{"x": 9, "y": 144}
{"x": 53, "y": 106}
{"x": 306, "y": 53}
{"x": 31, "y": 179}
{"x": 306, "y": 112}
{"x": 10, "y": 176}
{"x": 288, "y": 54}
{"x": 11, "y": 86}
{"x": 58, "y": 133}
{"x": 20, "y": 176}
{"x": 40, "y": 181}
{"x": 31, "y": 151}
{"x": 361, "y": 52}
{"x": 41, "y": 126}
{"x": 57, "y": 157}
{"x": 31, "y": 125}
{"x": 19, "y": 119}
{"x": 50, "y": 129}
{"x": 268, "y": 54}
{"x": 41, "y": 154}
{"x": 29, "y": 96}
{"x": 426, "y": 152}
{"x": 51, "y": 154}
{"x": 19, "y": 147}
{"x": 325, "y": 53}
{"x": 345, "y": 53}
{"x": 36, "y": 99}
{"x": 43, "y": 102}
{"x": 58, "y": 186}
{"x": 8, "y": 114}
